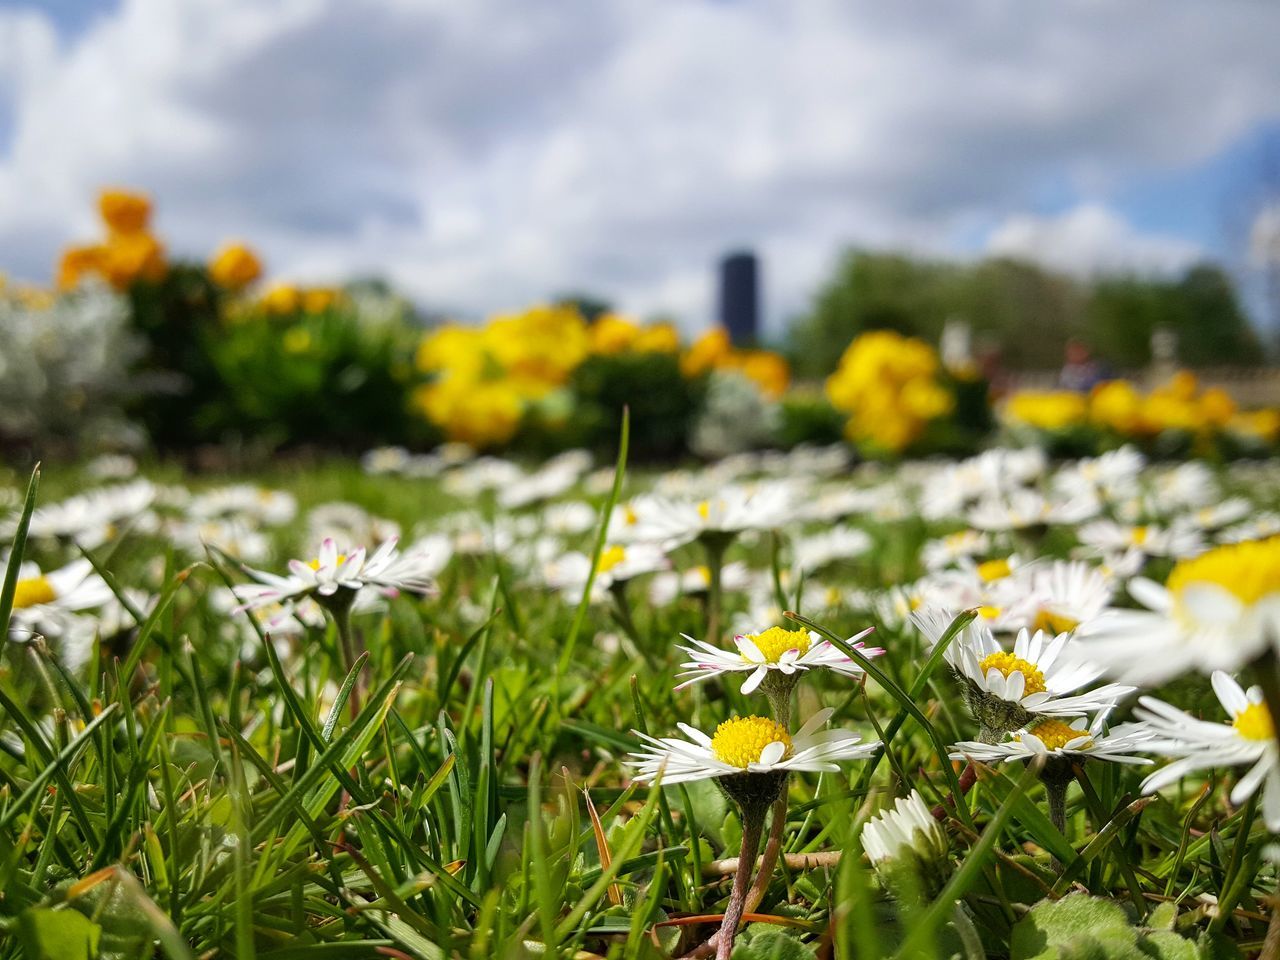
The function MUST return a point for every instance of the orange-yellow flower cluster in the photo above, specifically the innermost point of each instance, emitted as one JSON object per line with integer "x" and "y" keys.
{"x": 485, "y": 377}
{"x": 130, "y": 251}
{"x": 1120, "y": 407}
{"x": 235, "y": 266}
{"x": 888, "y": 384}
{"x": 713, "y": 351}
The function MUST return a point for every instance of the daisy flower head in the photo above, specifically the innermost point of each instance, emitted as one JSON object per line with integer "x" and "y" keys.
{"x": 1217, "y": 611}
{"x": 1201, "y": 744}
{"x": 1054, "y": 597}
{"x": 1053, "y": 738}
{"x": 47, "y": 603}
{"x": 1041, "y": 676}
{"x": 748, "y": 757}
{"x": 906, "y": 827}
{"x": 336, "y": 578}
{"x": 775, "y": 650}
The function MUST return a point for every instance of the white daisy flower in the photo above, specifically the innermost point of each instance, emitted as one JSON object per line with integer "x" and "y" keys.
{"x": 618, "y": 564}
{"x": 747, "y": 745}
{"x": 943, "y": 552}
{"x": 1106, "y": 537}
{"x": 1050, "y": 737}
{"x": 386, "y": 571}
{"x": 1038, "y": 677}
{"x": 786, "y": 651}
{"x": 1216, "y": 612}
{"x": 837, "y": 543}
{"x": 732, "y": 510}
{"x": 91, "y": 519}
{"x": 45, "y": 603}
{"x": 906, "y": 827}
{"x": 669, "y": 586}
{"x": 1201, "y": 745}
{"x": 1055, "y": 596}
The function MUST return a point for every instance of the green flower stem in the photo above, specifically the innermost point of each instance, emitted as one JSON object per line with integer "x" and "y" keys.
{"x": 715, "y": 545}
{"x": 752, "y": 828}
{"x": 339, "y": 607}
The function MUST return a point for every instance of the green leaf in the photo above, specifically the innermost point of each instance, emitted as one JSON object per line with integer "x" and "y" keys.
{"x": 1076, "y": 925}
{"x": 48, "y": 934}
{"x": 772, "y": 945}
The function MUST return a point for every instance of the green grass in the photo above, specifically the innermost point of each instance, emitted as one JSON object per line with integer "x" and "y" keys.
{"x": 193, "y": 795}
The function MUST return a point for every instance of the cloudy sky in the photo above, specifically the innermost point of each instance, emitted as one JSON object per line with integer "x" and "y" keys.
{"x": 486, "y": 153}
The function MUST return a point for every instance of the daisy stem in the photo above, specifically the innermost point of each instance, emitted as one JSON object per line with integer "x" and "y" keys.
{"x": 348, "y": 650}
{"x": 768, "y": 862}
{"x": 1056, "y": 777}
{"x": 752, "y": 827}
{"x": 715, "y": 546}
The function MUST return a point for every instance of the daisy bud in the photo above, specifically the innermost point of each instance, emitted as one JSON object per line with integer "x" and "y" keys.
{"x": 907, "y": 846}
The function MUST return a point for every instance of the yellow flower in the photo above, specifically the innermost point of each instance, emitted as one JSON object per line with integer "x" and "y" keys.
{"x": 319, "y": 299}
{"x": 768, "y": 370}
{"x": 1117, "y": 406}
{"x": 477, "y": 413}
{"x": 1263, "y": 425}
{"x": 235, "y": 266}
{"x": 132, "y": 256}
{"x": 657, "y": 338}
{"x": 705, "y": 353}
{"x": 1057, "y": 410}
{"x": 78, "y": 262}
{"x": 124, "y": 211}
{"x": 281, "y": 298}
{"x": 613, "y": 334}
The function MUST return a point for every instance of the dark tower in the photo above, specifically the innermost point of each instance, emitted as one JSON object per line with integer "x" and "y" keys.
{"x": 740, "y": 297}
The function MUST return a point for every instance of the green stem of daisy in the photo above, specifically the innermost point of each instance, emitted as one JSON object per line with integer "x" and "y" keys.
{"x": 752, "y": 827}
{"x": 777, "y": 686}
{"x": 967, "y": 932}
{"x": 764, "y": 875}
{"x": 1056, "y": 777}
{"x": 339, "y": 607}
{"x": 715, "y": 545}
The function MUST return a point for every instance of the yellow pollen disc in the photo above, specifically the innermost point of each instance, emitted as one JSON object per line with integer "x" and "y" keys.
{"x": 915, "y": 602}
{"x": 1248, "y": 571}
{"x": 32, "y": 592}
{"x": 988, "y": 612}
{"x": 1139, "y": 535}
{"x": 611, "y": 557}
{"x": 704, "y": 574}
{"x": 994, "y": 570}
{"x": 1054, "y": 734}
{"x": 740, "y": 741}
{"x": 630, "y": 515}
{"x": 1007, "y": 663}
{"x": 1254, "y": 722}
{"x": 775, "y": 641}
{"x": 315, "y": 564}
{"x": 1054, "y": 623}
{"x": 704, "y": 509}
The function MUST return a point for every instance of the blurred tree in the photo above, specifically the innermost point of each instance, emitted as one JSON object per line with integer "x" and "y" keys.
{"x": 1028, "y": 311}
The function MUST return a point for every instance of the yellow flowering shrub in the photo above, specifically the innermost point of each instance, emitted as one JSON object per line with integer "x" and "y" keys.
{"x": 1047, "y": 410}
{"x": 888, "y": 385}
{"x": 130, "y": 252}
{"x": 1119, "y": 407}
{"x": 235, "y": 266}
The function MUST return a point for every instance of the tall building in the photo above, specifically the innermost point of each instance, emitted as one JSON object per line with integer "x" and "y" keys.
{"x": 740, "y": 296}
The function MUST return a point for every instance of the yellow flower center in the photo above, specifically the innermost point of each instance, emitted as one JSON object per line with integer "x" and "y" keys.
{"x": 1054, "y": 734}
{"x": 988, "y": 612}
{"x": 314, "y": 564}
{"x": 629, "y": 514}
{"x": 1007, "y": 663}
{"x": 611, "y": 557}
{"x": 775, "y": 641}
{"x": 1248, "y": 571}
{"x": 33, "y": 592}
{"x": 994, "y": 570}
{"x": 740, "y": 741}
{"x": 1139, "y": 535}
{"x": 1054, "y": 623}
{"x": 1254, "y": 722}
{"x": 704, "y": 509}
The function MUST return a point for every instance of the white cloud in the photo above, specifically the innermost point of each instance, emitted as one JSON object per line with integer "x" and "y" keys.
{"x": 1090, "y": 239}
{"x": 488, "y": 152}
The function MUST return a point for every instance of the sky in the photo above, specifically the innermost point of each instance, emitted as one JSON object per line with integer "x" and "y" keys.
{"x": 486, "y": 154}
